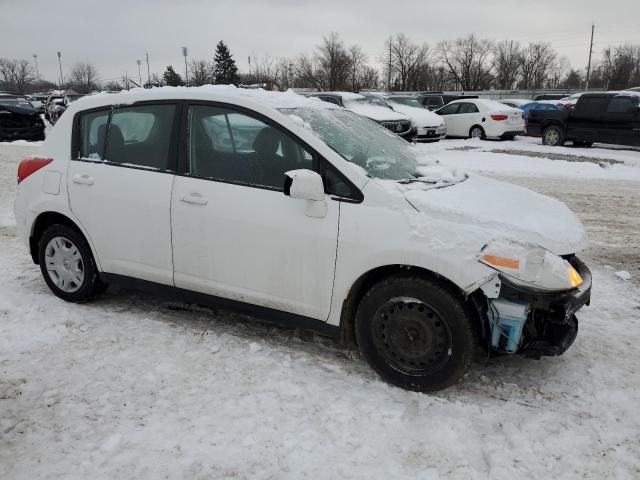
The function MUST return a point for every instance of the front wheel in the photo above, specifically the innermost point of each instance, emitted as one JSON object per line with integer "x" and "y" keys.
{"x": 67, "y": 264}
{"x": 553, "y": 136}
{"x": 415, "y": 333}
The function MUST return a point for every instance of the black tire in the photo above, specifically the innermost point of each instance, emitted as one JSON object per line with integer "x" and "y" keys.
{"x": 477, "y": 132}
{"x": 90, "y": 286}
{"x": 439, "y": 342}
{"x": 553, "y": 136}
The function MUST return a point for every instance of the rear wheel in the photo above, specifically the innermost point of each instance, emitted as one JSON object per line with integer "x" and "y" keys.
{"x": 415, "y": 333}
{"x": 553, "y": 136}
{"x": 477, "y": 132}
{"x": 67, "y": 264}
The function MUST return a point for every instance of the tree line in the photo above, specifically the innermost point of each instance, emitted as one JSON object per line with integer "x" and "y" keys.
{"x": 468, "y": 63}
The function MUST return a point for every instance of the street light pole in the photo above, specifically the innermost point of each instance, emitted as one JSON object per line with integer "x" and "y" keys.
{"x": 186, "y": 75}
{"x": 35, "y": 59}
{"x": 148, "y": 71}
{"x": 60, "y": 65}
{"x": 139, "y": 62}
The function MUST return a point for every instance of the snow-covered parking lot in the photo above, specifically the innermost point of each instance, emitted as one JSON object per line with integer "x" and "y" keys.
{"x": 133, "y": 386}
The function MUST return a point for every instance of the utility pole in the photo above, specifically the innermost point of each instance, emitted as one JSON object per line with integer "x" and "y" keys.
{"x": 139, "y": 62}
{"x": 186, "y": 76}
{"x": 389, "y": 67}
{"x": 586, "y": 87}
{"x": 148, "y": 71}
{"x": 35, "y": 59}
{"x": 60, "y": 65}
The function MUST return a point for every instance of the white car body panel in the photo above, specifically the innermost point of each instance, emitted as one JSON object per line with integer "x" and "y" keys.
{"x": 254, "y": 245}
{"x": 126, "y": 211}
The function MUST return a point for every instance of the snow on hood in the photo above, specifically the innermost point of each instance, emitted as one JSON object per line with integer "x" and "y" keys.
{"x": 375, "y": 112}
{"x": 509, "y": 211}
{"x": 421, "y": 117}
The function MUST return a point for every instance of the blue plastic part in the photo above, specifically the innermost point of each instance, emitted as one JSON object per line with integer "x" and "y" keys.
{"x": 506, "y": 330}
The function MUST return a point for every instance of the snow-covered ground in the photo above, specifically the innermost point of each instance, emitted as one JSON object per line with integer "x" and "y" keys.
{"x": 132, "y": 386}
{"x": 526, "y": 156}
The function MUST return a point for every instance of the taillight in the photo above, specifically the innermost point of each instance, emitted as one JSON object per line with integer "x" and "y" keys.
{"x": 499, "y": 116}
{"x": 31, "y": 165}
{"x": 530, "y": 114}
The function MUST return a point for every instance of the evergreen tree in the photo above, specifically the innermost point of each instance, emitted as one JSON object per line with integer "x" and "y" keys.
{"x": 225, "y": 70}
{"x": 171, "y": 78}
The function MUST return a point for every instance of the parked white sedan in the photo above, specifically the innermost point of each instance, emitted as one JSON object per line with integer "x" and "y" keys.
{"x": 304, "y": 213}
{"x": 478, "y": 118}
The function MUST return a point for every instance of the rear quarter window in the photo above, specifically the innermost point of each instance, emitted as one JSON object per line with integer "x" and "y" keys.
{"x": 93, "y": 131}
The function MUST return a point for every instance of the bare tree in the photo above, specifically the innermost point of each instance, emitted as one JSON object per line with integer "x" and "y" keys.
{"x": 506, "y": 63}
{"x": 407, "y": 61}
{"x": 265, "y": 71}
{"x": 334, "y": 62}
{"x": 16, "y": 75}
{"x": 358, "y": 61}
{"x": 557, "y": 72}
{"x": 620, "y": 66}
{"x": 467, "y": 61}
{"x": 535, "y": 63}
{"x": 201, "y": 72}
{"x": 84, "y": 77}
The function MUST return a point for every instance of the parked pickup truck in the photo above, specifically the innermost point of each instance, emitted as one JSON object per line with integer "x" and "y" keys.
{"x": 608, "y": 117}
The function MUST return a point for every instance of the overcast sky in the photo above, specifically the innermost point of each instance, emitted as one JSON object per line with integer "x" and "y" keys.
{"x": 113, "y": 33}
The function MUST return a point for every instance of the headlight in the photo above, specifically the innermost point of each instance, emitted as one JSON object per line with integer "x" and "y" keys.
{"x": 529, "y": 264}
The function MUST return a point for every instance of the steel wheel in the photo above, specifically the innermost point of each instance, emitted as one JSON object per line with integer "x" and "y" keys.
{"x": 411, "y": 336}
{"x": 64, "y": 264}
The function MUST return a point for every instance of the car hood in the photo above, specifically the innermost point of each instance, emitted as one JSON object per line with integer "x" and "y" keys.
{"x": 379, "y": 114}
{"x": 18, "y": 110}
{"x": 421, "y": 117}
{"x": 504, "y": 210}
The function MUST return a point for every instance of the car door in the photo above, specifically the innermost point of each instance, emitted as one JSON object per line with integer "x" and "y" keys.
{"x": 235, "y": 234}
{"x": 587, "y": 121}
{"x": 451, "y": 120}
{"x": 621, "y": 120}
{"x": 119, "y": 185}
{"x": 467, "y": 116}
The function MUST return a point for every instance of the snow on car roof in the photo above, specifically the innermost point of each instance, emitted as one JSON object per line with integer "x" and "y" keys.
{"x": 489, "y": 104}
{"x": 276, "y": 100}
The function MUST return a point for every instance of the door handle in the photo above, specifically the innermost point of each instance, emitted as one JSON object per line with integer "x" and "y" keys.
{"x": 83, "y": 179}
{"x": 194, "y": 198}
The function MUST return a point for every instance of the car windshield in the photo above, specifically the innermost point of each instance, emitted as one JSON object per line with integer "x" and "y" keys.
{"x": 361, "y": 141}
{"x": 409, "y": 101}
{"x": 16, "y": 102}
{"x": 365, "y": 100}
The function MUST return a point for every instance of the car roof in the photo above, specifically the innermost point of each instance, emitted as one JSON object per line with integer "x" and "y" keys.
{"x": 221, "y": 93}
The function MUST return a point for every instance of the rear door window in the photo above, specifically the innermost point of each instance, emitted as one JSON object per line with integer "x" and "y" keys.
{"x": 467, "y": 108}
{"x": 621, "y": 105}
{"x": 141, "y": 136}
{"x": 450, "y": 109}
{"x": 93, "y": 133}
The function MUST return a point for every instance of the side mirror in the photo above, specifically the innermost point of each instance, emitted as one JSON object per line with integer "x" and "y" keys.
{"x": 307, "y": 185}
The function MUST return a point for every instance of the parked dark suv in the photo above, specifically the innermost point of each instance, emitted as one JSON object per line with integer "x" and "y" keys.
{"x": 611, "y": 117}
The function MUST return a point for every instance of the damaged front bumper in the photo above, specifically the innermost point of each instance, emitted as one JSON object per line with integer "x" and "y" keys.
{"x": 548, "y": 325}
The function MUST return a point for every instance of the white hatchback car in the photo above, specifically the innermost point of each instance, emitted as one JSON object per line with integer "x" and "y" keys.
{"x": 478, "y": 118}
{"x": 306, "y": 214}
